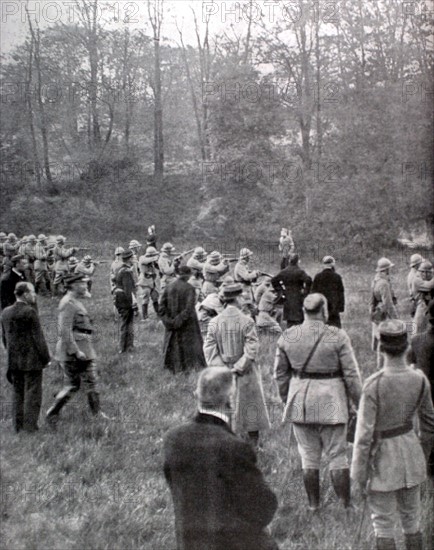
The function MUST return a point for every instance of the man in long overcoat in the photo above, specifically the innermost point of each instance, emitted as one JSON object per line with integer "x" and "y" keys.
{"x": 329, "y": 284}
{"x": 182, "y": 340}
{"x": 27, "y": 355}
{"x": 220, "y": 497}
{"x": 232, "y": 341}
{"x": 296, "y": 283}
{"x": 10, "y": 279}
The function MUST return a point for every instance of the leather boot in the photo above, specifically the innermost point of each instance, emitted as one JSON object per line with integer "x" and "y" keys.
{"x": 311, "y": 484}
{"x": 383, "y": 543}
{"x": 414, "y": 541}
{"x": 144, "y": 311}
{"x": 341, "y": 485}
{"x": 156, "y": 309}
{"x": 93, "y": 400}
{"x": 56, "y": 407}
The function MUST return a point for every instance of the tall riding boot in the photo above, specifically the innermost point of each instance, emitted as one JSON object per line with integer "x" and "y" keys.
{"x": 56, "y": 407}
{"x": 144, "y": 311}
{"x": 414, "y": 541}
{"x": 254, "y": 439}
{"x": 156, "y": 308}
{"x": 94, "y": 404}
{"x": 341, "y": 485}
{"x": 383, "y": 543}
{"x": 311, "y": 484}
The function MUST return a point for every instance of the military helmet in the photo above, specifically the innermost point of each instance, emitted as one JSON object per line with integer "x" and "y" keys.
{"x": 425, "y": 267}
{"x": 214, "y": 258}
{"x": 42, "y": 237}
{"x": 12, "y": 237}
{"x": 199, "y": 252}
{"x": 134, "y": 244}
{"x": 151, "y": 252}
{"x": 3, "y": 235}
{"x": 32, "y": 238}
{"x": 119, "y": 250}
{"x": 415, "y": 260}
{"x": 168, "y": 248}
{"x": 383, "y": 264}
{"x": 72, "y": 260}
{"x": 87, "y": 258}
{"x": 245, "y": 253}
{"x": 24, "y": 239}
{"x": 60, "y": 239}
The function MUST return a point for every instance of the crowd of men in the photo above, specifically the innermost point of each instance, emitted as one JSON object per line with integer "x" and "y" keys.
{"x": 213, "y": 317}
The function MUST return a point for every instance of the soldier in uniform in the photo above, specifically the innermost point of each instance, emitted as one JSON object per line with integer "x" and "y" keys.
{"x": 167, "y": 265}
{"x": 244, "y": 275}
{"x": 382, "y": 299}
{"x": 267, "y": 309}
{"x": 213, "y": 270}
{"x": 148, "y": 285}
{"x": 317, "y": 376}
{"x": 3, "y": 238}
{"x": 388, "y": 457}
{"x": 286, "y": 247}
{"x": 423, "y": 292}
{"x": 75, "y": 349}
{"x": 22, "y": 244}
{"x": 10, "y": 249}
{"x": 415, "y": 261}
{"x": 232, "y": 341}
{"x": 206, "y": 310}
{"x": 329, "y": 284}
{"x": 196, "y": 263}
{"x": 87, "y": 267}
{"x": 115, "y": 265}
{"x": 72, "y": 264}
{"x": 135, "y": 247}
{"x": 29, "y": 252}
{"x": 42, "y": 281}
{"x": 61, "y": 269}
{"x": 124, "y": 292}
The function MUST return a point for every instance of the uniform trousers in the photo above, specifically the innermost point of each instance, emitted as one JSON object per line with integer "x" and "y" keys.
{"x": 314, "y": 439}
{"x": 126, "y": 329}
{"x": 384, "y": 506}
{"x": 27, "y": 398}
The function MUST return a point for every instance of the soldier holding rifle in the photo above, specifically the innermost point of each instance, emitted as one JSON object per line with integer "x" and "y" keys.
{"x": 213, "y": 270}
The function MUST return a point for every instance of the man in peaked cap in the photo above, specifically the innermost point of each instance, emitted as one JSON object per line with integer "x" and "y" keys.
{"x": 124, "y": 293}
{"x": 167, "y": 265}
{"x": 415, "y": 261}
{"x": 329, "y": 284}
{"x": 75, "y": 349}
{"x": 382, "y": 302}
{"x": 183, "y": 343}
{"x": 232, "y": 341}
{"x": 318, "y": 377}
{"x": 423, "y": 290}
{"x": 148, "y": 280}
{"x": 388, "y": 457}
{"x": 213, "y": 269}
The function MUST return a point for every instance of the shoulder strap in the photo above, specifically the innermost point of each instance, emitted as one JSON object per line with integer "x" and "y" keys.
{"x": 312, "y": 351}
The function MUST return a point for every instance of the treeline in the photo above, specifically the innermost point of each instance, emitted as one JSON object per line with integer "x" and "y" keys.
{"x": 319, "y": 120}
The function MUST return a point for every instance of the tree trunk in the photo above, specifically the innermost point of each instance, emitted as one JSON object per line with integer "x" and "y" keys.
{"x": 30, "y": 113}
{"x": 158, "y": 118}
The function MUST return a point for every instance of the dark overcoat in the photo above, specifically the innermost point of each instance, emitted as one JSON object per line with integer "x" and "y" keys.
{"x": 23, "y": 338}
{"x": 329, "y": 284}
{"x": 297, "y": 285}
{"x": 182, "y": 340}
{"x": 220, "y": 498}
{"x": 7, "y": 287}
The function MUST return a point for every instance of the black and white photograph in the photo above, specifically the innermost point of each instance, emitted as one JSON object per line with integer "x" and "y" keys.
{"x": 217, "y": 275}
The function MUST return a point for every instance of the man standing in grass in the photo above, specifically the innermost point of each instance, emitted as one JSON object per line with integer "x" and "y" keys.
{"x": 123, "y": 293}
{"x": 220, "y": 498}
{"x": 27, "y": 356}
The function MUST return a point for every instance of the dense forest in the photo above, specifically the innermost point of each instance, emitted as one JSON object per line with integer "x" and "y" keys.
{"x": 318, "y": 118}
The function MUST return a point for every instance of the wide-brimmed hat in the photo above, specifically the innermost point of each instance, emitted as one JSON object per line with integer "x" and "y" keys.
{"x": 383, "y": 264}
{"x": 214, "y": 257}
{"x": 245, "y": 253}
{"x": 231, "y": 290}
{"x": 126, "y": 254}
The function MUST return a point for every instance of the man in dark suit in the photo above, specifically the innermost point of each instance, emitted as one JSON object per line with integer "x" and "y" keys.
{"x": 295, "y": 284}
{"x": 27, "y": 356}
{"x": 329, "y": 284}
{"x": 10, "y": 279}
{"x": 221, "y": 500}
{"x": 182, "y": 340}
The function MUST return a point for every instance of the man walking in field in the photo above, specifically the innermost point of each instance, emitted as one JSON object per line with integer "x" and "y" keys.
{"x": 318, "y": 376}
{"x": 329, "y": 284}
{"x": 75, "y": 349}
{"x": 27, "y": 356}
{"x": 220, "y": 498}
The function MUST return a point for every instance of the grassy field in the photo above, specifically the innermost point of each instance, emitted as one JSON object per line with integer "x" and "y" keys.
{"x": 98, "y": 483}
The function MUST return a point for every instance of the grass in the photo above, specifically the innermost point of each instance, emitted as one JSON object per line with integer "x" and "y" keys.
{"x": 99, "y": 484}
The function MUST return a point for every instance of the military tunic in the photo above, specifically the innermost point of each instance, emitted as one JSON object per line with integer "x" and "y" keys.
{"x": 382, "y": 304}
{"x": 212, "y": 275}
{"x": 167, "y": 268}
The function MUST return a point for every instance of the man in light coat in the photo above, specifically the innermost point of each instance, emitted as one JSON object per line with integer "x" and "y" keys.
{"x": 388, "y": 458}
{"x": 415, "y": 261}
{"x": 317, "y": 376}
{"x": 423, "y": 292}
{"x": 383, "y": 299}
{"x": 232, "y": 341}
{"x": 168, "y": 265}
{"x": 61, "y": 255}
{"x": 148, "y": 280}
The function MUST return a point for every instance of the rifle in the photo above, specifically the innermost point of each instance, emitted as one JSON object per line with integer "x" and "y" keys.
{"x": 264, "y": 274}
{"x": 180, "y": 256}
{"x": 100, "y": 262}
{"x": 230, "y": 260}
